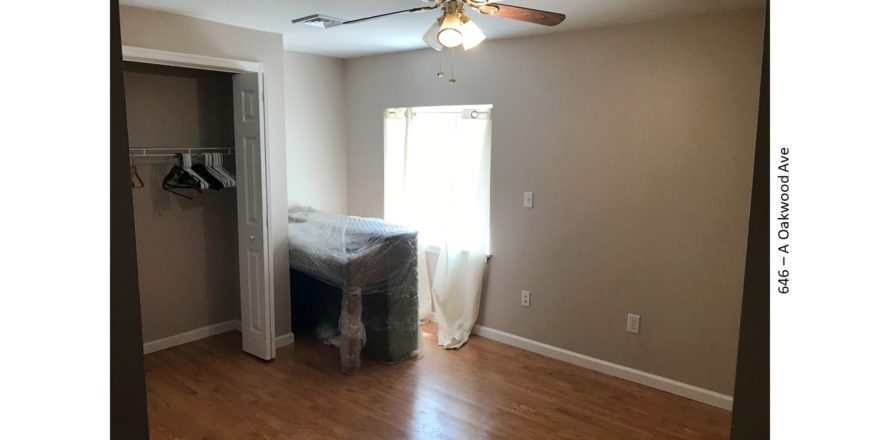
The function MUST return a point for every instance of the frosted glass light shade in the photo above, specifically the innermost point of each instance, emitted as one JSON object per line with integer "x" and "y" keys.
{"x": 450, "y": 37}
{"x": 430, "y": 36}
{"x": 473, "y": 36}
{"x": 450, "y": 31}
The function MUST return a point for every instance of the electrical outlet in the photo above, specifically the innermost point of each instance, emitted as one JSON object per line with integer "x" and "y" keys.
{"x": 632, "y": 323}
{"x": 525, "y": 299}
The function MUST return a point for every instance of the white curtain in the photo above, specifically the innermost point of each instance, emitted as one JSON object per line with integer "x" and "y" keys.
{"x": 437, "y": 165}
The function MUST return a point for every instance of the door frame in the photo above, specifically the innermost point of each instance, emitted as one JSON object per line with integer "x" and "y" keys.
{"x": 229, "y": 65}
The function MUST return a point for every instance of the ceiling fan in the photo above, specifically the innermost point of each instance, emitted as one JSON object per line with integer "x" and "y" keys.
{"x": 453, "y": 28}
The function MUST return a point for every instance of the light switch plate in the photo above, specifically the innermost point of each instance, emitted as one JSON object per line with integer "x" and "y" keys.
{"x": 527, "y": 199}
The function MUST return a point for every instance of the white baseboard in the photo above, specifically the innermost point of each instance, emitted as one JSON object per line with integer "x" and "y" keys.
{"x": 190, "y": 336}
{"x": 207, "y": 332}
{"x": 284, "y": 340}
{"x": 280, "y": 341}
{"x": 631, "y": 374}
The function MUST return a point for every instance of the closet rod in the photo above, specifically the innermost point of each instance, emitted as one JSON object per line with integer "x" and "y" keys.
{"x": 172, "y": 151}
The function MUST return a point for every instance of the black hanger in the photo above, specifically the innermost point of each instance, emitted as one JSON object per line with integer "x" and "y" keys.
{"x": 177, "y": 178}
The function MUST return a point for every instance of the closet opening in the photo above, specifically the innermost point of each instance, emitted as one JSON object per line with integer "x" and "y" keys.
{"x": 197, "y": 155}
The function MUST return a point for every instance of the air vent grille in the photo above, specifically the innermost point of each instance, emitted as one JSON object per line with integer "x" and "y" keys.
{"x": 318, "y": 20}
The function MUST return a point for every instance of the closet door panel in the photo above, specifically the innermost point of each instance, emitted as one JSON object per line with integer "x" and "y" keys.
{"x": 254, "y": 296}
{"x": 257, "y": 308}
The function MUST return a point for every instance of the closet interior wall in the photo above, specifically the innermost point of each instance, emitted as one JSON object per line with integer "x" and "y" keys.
{"x": 187, "y": 249}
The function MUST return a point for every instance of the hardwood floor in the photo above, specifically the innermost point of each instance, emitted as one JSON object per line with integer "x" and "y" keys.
{"x": 209, "y": 389}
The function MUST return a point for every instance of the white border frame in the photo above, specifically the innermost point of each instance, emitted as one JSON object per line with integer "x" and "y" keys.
{"x": 193, "y": 61}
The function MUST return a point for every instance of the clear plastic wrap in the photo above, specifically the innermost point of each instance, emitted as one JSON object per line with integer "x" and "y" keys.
{"x": 374, "y": 263}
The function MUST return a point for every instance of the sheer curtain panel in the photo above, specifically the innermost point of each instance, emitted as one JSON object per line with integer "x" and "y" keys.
{"x": 437, "y": 163}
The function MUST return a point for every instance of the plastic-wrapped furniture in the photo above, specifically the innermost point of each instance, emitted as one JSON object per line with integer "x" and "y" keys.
{"x": 371, "y": 265}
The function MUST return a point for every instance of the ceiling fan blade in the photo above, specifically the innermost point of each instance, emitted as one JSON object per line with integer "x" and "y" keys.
{"x": 323, "y": 21}
{"x": 424, "y": 8}
{"x": 522, "y": 14}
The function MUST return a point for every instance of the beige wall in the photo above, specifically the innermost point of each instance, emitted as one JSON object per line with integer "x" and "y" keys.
{"x": 316, "y": 154}
{"x": 638, "y": 144}
{"x": 177, "y": 33}
{"x": 187, "y": 249}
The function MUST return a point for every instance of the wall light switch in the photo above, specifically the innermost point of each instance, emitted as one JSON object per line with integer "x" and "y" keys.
{"x": 527, "y": 199}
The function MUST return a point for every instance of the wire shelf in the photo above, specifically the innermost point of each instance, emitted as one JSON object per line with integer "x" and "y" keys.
{"x": 172, "y": 151}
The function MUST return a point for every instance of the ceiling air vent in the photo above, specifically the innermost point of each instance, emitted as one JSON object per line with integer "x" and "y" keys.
{"x": 318, "y": 20}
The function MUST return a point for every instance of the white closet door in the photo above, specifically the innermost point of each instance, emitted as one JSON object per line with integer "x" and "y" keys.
{"x": 257, "y": 308}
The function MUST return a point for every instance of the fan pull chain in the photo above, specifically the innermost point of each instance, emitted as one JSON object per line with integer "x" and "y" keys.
{"x": 440, "y": 73}
{"x": 452, "y": 68}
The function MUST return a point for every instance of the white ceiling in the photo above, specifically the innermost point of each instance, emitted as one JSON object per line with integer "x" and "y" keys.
{"x": 404, "y": 32}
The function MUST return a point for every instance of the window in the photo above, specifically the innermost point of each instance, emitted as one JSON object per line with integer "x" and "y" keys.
{"x": 437, "y": 163}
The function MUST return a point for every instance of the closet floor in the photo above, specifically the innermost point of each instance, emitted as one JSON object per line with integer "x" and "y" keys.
{"x": 210, "y": 389}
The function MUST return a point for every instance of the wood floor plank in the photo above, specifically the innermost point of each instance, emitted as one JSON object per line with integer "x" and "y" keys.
{"x": 210, "y": 389}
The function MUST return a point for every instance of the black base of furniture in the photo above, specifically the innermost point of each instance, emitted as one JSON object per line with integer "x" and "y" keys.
{"x": 390, "y": 321}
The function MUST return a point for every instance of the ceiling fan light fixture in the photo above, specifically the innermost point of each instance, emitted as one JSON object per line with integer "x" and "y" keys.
{"x": 450, "y": 34}
{"x": 450, "y": 37}
{"x": 472, "y": 34}
{"x": 430, "y": 37}
{"x": 452, "y": 30}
